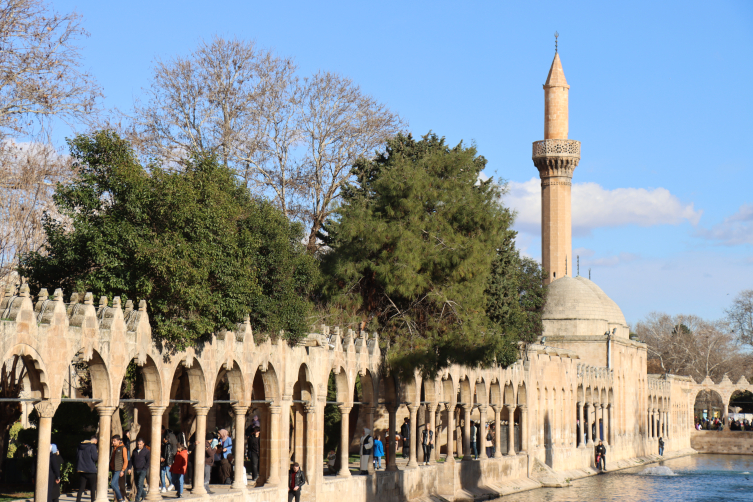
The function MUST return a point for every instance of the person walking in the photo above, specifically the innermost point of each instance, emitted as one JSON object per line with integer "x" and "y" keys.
{"x": 140, "y": 464}
{"x": 405, "y": 434}
{"x": 378, "y": 452}
{"x": 296, "y": 480}
{"x": 178, "y": 469}
{"x": 661, "y": 446}
{"x": 208, "y": 461}
{"x": 601, "y": 456}
{"x": 118, "y": 466}
{"x": 53, "y": 480}
{"x": 167, "y": 457}
{"x": 474, "y": 445}
{"x": 86, "y": 465}
{"x": 254, "y": 452}
{"x": 427, "y": 442}
{"x": 367, "y": 447}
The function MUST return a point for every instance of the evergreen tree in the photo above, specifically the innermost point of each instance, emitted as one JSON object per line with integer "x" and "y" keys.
{"x": 193, "y": 243}
{"x": 412, "y": 247}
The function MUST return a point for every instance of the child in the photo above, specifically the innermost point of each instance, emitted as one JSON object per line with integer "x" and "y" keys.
{"x": 378, "y": 452}
{"x": 178, "y": 469}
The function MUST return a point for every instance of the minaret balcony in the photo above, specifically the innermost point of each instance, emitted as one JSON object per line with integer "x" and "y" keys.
{"x": 556, "y": 148}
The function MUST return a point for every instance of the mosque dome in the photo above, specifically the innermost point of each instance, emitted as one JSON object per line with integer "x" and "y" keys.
{"x": 614, "y": 314}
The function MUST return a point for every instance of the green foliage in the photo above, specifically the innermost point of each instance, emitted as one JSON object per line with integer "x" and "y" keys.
{"x": 515, "y": 299}
{"x": 193, "y": 243}
{"x": 332, "y": 418}
{"x": 412, "y": 247}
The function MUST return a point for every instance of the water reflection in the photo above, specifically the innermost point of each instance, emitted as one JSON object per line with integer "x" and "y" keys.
{"x": 698, "y": 478}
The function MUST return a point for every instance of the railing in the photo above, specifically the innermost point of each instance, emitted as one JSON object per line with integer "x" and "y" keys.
{"x": 556, "y": 147}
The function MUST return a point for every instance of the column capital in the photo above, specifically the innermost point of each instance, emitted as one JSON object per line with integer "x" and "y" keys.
{"x": 344, "y": 408}
{"x": 510, "y": 407}
{"x": 602, "y": 405}
{"x": 105, "y": 411}
{"x": 495, "y": 407}
{"x": 47, "y": 409}
{"x": 412, "y": 408}
{"x": 450, "y": 406}
{"x": 523, "y": 407}
{"x": 309, "y": 408}
{"x": 201, "y": 411}
{"x": 482, "y": 407}
{"x": 275, "y": 409}
{"x": 431, "y": 407}
{"x": 156, "y": 408}
{"x": 241, "y": 409}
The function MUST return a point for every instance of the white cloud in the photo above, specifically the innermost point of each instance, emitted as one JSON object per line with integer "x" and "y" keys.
{"x": 595, "y": 207}
{"x": 735, "y": 230}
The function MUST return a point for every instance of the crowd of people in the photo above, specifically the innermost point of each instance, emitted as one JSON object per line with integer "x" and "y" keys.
{"x": 715, "y": 424}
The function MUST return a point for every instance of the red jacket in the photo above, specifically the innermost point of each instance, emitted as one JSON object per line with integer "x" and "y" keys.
{"x": 180, "y": 465}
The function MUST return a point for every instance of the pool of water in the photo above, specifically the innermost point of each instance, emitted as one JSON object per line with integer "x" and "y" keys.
{"x": 698, "y": 478}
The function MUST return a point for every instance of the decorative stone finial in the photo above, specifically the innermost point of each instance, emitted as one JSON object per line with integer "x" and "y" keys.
{"x": 103, "y": 301}
{"x": 142, "y": 306}
{"x": 58, "y": 295}
{"x": 116, "y": 302}
{"x": 129, "y": 306}
{"x": 88, "y": 299}
{"x": 74, "y": 298}
{"x": 24, "y": 291}
{"x": 43, "y": 295}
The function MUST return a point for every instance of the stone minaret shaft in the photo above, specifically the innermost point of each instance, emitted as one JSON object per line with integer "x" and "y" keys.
{"x": 556, "y": 157}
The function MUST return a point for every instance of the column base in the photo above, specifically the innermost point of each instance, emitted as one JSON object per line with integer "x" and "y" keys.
{"x": 199, "y": 491}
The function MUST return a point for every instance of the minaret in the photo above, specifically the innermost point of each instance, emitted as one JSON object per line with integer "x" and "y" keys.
{"x": 556, "y": 157}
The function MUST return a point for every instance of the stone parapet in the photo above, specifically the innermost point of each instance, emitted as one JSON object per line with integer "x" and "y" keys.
{"x": 556, "y": 148}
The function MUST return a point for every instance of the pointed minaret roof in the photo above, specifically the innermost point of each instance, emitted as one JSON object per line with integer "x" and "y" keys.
{"x": 556, "y": 77}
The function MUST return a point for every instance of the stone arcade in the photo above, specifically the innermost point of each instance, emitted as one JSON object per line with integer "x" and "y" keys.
{"x": 585, "y": 370}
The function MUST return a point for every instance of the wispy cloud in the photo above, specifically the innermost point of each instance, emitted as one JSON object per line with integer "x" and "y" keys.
{"x": 595, "y": 206}
{"x": 734, "y": 230}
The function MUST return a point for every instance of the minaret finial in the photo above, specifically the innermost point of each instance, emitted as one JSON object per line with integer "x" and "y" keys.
{"x": 556, "y": 36}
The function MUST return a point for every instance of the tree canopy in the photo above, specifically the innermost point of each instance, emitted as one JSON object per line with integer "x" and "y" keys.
{"x": 195, "y": 244}
{"x": 412, "y": 248}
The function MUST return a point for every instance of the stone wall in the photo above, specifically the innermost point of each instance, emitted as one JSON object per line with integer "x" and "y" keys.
{"x": 724, "y": 442}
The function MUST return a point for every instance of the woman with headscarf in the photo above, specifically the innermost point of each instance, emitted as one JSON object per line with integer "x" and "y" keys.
{"x": 225, "y": 449}
{"x": 367, "y": 446}
{"x": 53, "y": 480}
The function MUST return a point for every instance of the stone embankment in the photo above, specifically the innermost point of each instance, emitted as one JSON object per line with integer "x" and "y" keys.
{"x": 724, "y": 442}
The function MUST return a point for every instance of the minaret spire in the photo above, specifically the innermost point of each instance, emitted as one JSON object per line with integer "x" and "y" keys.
{"x": 556, "y": 157}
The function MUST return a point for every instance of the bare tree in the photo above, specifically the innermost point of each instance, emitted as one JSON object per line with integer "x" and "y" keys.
{"x": 40, "y": 68}
{"x": 691, "y": 346}
{"x": 740, "y": 315}
{"x": 341, "y": 124}
{"x": 29, "y": 173}
{"x": 11, "y": 385}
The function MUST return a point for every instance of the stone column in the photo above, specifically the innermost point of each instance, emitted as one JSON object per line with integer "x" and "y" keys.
{"x": 344, "y": 441}
{"x": 511, "y": 429}
{"x": 610, "y": 432}
{"x": 467, "y": 432}
{"x": 437, "y": 419}
{"x": 198, "y": 461}
{"x": 103, "y": 450}
{"x": 239, "y": 482}
{"x": 523, "y": 429}
{"x": 156, "y": 413}
{"x": 450, "y": 433}
{"x": 497, "y": 432}
{"x": 430, "y": 409}
{"x": 275, "y": 445}
{"x": 369, "y": 410}
{"x": 392, "y": 446}
{"x": 311, "y": 464}
{"x": 46, "y": 410}
{"x": 412, "y": 409}
{"x": 482, "y": 447}
{"x": 582, "y": 424}
{"x": 589, "y": 439}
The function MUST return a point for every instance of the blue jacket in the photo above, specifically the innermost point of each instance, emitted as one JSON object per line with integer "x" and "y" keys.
{"x": 86, "y": 457}
{"x": 378, "y": 448}
{"x": 228, "y": 443}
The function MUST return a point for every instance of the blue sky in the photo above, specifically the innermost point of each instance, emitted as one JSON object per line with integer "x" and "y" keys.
{"x": 659, "y": 97}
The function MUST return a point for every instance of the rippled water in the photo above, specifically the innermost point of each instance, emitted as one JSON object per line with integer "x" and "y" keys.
{"x": 699, "y": 478}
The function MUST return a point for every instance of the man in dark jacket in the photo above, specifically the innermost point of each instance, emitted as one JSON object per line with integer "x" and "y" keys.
{"x": 295, "y": 482}
{"x": 661, "y": 446}
{"x": 140, "y": 464}
{"x": 601, "y": 456}
{"x": 208, "y": 461}
{"x": 405, "y": 435}
{"x": 86, "y": 465}
{"x": 254, "y": 452}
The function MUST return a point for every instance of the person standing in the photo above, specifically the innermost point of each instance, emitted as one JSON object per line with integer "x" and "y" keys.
{"x": 489, "y": 442}
{"x": 178, "y": 469}
{"x": 86, "y": 465}
{"x": 661, "y": 446}
{"x": 601, "y": 456}
{"x": 295, "y": 483}
{"x": 367, "y": 447}
{"x": 405, "y": 434}
{"x": 474, "y": 444}
{"x": 140, "y": 464}
{"x": 254, "y": 451}
{"x": 169, "y": 447}
{"x": 208, "y": 461}
{"x": 378, "y": 452}
{"x": 53, "y": 480}
{"x": 427, "y": 442}
{"x": 118, "y": 466}
{"x": 225, "y": 451}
